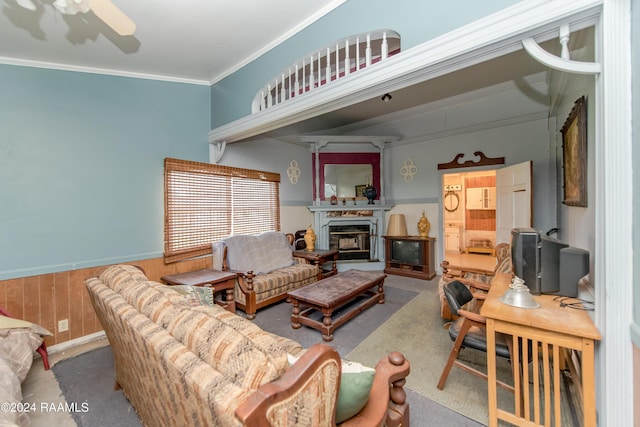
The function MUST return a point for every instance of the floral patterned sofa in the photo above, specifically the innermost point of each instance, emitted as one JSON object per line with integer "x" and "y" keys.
{"x": 185, "y": 365}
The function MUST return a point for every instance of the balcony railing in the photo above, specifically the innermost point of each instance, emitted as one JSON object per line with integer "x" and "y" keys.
{"x": 326, "y": 65}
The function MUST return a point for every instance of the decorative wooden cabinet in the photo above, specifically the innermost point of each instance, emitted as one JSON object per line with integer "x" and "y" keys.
{"x": 410, "y": 256}
{"x": 481, "y": 198}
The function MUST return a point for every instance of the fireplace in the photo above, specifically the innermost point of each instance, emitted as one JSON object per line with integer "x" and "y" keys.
{"x": 351, "y": 241}
{"x": 354, "y": 230}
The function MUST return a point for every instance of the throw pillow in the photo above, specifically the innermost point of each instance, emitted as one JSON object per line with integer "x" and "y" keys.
{"x": 355, "y": 384}
{"x": 195, "y": 295}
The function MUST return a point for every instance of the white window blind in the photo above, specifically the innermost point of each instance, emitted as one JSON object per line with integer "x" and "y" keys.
{"x": 205, "y": 203}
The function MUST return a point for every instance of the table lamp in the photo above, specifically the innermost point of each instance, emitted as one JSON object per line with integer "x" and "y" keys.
{"x": 397, "y": 225}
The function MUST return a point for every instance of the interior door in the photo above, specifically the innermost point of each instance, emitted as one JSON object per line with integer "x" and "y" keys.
{"x": 514, "y": 199}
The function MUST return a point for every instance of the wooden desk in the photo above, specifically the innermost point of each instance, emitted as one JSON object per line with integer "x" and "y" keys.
{"x": 551, "y": 330}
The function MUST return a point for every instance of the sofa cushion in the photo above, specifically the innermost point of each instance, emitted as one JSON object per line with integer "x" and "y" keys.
{"x": 261, "y": 254}
{"x": 226, "y": 350}
{"x": 272, "y": 344}
{"x": 280, "y": 281}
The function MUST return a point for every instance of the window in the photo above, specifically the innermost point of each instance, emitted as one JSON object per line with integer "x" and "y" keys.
{"x": 204, "y": 203}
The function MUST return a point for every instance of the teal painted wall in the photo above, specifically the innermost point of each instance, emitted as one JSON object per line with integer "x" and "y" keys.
{"x": 81, "y": 165}
{"x": 416, "y": 22}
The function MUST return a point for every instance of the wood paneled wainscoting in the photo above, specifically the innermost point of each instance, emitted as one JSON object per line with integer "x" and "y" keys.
{"x": 48, "y": 298}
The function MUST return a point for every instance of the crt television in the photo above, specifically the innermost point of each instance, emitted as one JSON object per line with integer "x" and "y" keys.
{"x": 547, "y": 265}
{"x": 406, "y": 252}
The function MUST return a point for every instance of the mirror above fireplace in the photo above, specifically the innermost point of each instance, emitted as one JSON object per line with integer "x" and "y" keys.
{"x": 350, "y": 159}
{"x": 346, "y": 181}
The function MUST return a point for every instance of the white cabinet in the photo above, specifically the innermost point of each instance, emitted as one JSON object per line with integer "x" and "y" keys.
{"x": 481, "y": 198}
{"x": 452, "y": 239}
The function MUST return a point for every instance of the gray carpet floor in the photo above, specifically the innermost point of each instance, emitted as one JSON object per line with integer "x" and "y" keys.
{"x": 89, "y": 377}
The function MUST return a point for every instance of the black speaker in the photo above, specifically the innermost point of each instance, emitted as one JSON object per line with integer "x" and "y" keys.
{"x": 574, "y": 263}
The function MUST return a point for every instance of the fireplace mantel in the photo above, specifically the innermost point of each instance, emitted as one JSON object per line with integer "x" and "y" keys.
{"x": 361, "y": 214}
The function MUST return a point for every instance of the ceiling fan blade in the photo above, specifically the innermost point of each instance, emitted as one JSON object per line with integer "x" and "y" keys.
{"x": 113, "y": 17}
{"x": 27, "y": 4}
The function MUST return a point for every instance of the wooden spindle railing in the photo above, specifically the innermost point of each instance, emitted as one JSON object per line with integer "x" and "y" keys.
{"x": 327, "y": 65}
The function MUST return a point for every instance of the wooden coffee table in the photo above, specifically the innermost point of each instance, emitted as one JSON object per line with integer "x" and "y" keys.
{"x": 362, "y": 288}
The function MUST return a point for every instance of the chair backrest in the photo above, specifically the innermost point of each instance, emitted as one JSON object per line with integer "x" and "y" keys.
{"x": 503, "y": 251}
{"x": 457, "y": 295}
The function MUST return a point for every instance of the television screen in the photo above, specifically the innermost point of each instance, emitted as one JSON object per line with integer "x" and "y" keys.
{"x": 406, "y": 252}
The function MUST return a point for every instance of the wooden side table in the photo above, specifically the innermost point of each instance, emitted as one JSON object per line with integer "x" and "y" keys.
{"x": 217, "y": 280}
{"x": 320, "y": 257}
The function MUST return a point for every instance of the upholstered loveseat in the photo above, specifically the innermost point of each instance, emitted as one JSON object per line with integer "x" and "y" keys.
{"x": 181, "y": 364}
{"x": 266, "y": 268}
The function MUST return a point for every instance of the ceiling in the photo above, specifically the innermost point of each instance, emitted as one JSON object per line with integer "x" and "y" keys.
{"x": 201, "y": 44}
{"x": 198, "y": 42}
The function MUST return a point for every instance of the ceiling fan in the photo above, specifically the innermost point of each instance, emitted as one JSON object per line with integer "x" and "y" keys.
{"x": 103, "y": 9}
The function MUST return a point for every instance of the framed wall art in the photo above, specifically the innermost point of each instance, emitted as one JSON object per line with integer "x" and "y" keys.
{"x": 574, "y": 155}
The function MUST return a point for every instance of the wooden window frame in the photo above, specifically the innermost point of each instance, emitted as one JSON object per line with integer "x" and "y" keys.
{"x": 204, "y": 203}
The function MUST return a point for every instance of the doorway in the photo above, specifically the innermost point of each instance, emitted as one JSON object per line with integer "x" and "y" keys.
{"x": 469, "y": 212}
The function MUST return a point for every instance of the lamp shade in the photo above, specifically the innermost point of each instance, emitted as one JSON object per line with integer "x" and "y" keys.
{"x": 397, "y": 225}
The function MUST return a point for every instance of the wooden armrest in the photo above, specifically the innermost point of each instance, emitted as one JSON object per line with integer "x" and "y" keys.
{"x": 245, "y": 280}
{"x": 479, "y": 296}
{"x": 387, "y": 399}
{"x": 464, "y": 269}
{"x": 238, "y": 272}
{"x": 253, "y": 411}
{"x": 472, "y": 316}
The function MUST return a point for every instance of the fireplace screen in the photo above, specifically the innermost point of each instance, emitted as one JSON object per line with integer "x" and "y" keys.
{"x": 351, "y": 241}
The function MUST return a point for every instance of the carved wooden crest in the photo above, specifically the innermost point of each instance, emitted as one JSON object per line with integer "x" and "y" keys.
{"x": 484, "y": 160}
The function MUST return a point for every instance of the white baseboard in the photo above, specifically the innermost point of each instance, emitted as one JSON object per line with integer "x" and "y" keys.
{"x": 75, "y": 342}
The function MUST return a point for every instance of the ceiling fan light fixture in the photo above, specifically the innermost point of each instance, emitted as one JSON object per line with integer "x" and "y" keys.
{"x": 103, "y": 9}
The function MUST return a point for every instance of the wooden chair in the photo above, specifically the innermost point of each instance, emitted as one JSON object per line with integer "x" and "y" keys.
{"x": 469, "y": 331}
{"x": 476, "y": 279}
{"x": 42, "y": 349}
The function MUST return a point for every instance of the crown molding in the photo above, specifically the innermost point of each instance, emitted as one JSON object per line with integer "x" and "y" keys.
{"x": 93, "y": 70}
